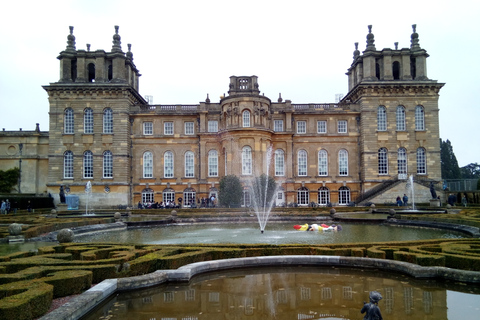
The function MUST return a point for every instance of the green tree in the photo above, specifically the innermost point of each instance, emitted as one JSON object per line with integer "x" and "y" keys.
{"x": 450, "y": 168}
{"x": 263, "y": 190}
{"x": 9, "y": 179}
{"x": 231, "y": 191}
{"x": 470, "y": 171}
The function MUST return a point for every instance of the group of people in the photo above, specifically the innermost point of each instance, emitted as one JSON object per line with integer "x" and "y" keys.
{"x": 5, "y": 208}
{"x": 209, "y": 202}
{"x": 402, "y": 201}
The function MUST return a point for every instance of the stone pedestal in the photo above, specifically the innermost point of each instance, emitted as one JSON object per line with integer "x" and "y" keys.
{"x": 62, "y": 207}
{"x": 14, "y": 239}
{"x": 434, "y": 203}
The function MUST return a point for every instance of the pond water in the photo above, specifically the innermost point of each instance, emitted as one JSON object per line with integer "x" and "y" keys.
{"x": 294, "y": 293}
{"x": 275, "y": 233}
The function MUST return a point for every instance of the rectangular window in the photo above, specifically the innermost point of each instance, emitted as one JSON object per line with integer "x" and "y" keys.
{"x": 212, "y": 126}
{"x": 189, "y": 130}
{"x": 342, "y": 126}
{"x": 301, "y": 127}
{"x": 322, "y": 126}
{"x": 148, "y": 128}
{"x": 278, "y": 125}
{"x": 168, "y": 128}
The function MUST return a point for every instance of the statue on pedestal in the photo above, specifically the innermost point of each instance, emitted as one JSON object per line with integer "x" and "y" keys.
{"x": 62, "y": 195}
{"x": 371, "y": 309}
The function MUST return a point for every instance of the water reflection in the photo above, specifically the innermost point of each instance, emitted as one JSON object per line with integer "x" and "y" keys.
{"x": 287, "y": 293}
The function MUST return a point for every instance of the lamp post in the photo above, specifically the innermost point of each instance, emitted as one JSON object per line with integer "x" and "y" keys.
{"x": 20, "y": 147}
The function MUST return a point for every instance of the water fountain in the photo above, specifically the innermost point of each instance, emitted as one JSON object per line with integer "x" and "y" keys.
{"x": 88, "y": 192}
{"x": 411, "y": 190}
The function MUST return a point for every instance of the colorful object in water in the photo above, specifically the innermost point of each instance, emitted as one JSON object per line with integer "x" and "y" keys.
{"x": 316, "y": 227}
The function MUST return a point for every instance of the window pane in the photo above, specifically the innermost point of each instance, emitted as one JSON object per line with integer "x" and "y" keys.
{"x": 168, "y": 126}
{"x": 107, "y": 164}
{"x": 212, "y": 163}
{"x": 278, "y": 125}
{"x": 148, "y": 165}
{"x": 402, "y": 161}
{"x": 69, "y": 124}
{"x": 322, "y": 126}
{"x": 322, "y": 163}
{"x": 246, "y": 118}
{"x": 343, "y": 162}
{"x": 382, "y": 119}
{"x": 108, "y": 121}
{"x": 68, "y": 165}
{"x": 323, "y": 196}
{"x": 382, "y": 161}
{"x": 302, "y": 163}
{"x": 301, "y": 127}
{"x": 342, "y": 126}
{"x": 303, "y": 197}
{"x": 88, "y": 121}
{"x": 421, "y": 161}
{"x": 419, "y": 118}
{"x": 189, "y": 129}
{"x": 88, "y": 164}
{"x": 246, "y": 161}
{"x": 401, "y": 118}
{"x": 148, "y": 128}
{"x": 212, "y": 126}
{"x": 343, "y": 195}
{"x": 168, "y": 165}
{"x": 189, "y": 165}
{"x": 279, "y": 163}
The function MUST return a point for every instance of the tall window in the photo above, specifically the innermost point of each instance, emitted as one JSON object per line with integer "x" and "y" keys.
{"x": 88, "y": 121}
{"x": 343, "y": 162}
{"x": 382, "y": 118}
{"x": 421, "y": 161}
{"x": 382, "y": 161}
{"x": 189, "y": 129}
{"x": 168, "y": 195}
{"x": 419, "y": 118}
{"x": 68, "y": 165}
{"x": 322, "y": 163}
{"x": 302, "y": 163}
{"x": 344, "y": 195}
{"x": 303, "y": 196}
{"x": 278, "y": 125}
{"x": 402, "y": 161}
{"x": 148, "y": 165}
{"x": 88, "y": 164}
{"x": 212, "y": 126}
{"x": 322, "y": 126}
{"x": 342, "y": 126}
{"x": 68, "y": 121}
{"x": 107, "y": 164}
{"x": 246, "y": 201}
{"x": 168, "y": 164}
{"x": 246, "y": 160}
{"x": 107, "y": 120}
{"x": 189, "y": 164}
{"x": 401, "y": 118}
{"x": 301, "y": 127}
{"x": 246, "y": 118}
{"x": 168, "y": 128}
{"x": 323, "y": 196}
{"x": 148, "y": 196}
{"x": 148, "y": 128}
{"x": 213, "y": 163}
{"x": 279, "y": 162}
{"x": 189, "y": 197}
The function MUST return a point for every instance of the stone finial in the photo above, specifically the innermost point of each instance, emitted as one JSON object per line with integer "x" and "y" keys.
{"x": 280, "y": 97}
{"x": 208, "y": 99}
{"x": 356, "y": 53}
{"x": 71, "y": 41}
{"x": 88, "y": 46}
{"x": 415, "y": 43}
{"x": 129, "y": 52}
{"x": 396, "y": 45}
{"x": 116, "y": 41}
{"x": 370, "y": 40}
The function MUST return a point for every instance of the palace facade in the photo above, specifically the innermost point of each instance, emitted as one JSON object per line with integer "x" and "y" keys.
{"x": 385, "y": 129}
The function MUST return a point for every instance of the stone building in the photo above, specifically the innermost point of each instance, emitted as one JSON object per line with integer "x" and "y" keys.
{"x": 102, "y": 130}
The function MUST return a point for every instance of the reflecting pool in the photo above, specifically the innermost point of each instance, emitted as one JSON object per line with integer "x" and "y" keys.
{"x": 294, "y": 293}
{"x": 275, "y": 233}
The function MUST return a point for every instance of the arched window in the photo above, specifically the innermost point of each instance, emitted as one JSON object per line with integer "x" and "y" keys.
{"x": 68, "y": 121}
{"x": 148, "y": 165}
{"x": 168, "y": 195}
{"x": 88, "y": 121}
{"x": 246, "y": 160}
{"x": 247, "y": 198}
{"x": 303, "y": 196}
{"x": 402, "y": 162}
{"x": 168, "y": 164}
{"x": 107, "y": 120}
{"x": 107, "y": 164}
{"x": 91, "y": 72}
{"x": 279, "y": 162}
{"x": 421, "y": 161}
{"x": 246, "y": 118}
{"x": 148, "y": 196}
{"x": 322, "y": 163}
{"x": 323, "y": 196}
{"x": 213, "y": 163}
{"x": 88, "y": 164}
{"x": 189, "y": 164}
{"x": 68, "y": 165}
{"x": 382, "y": 118}
{"x": 401, "y": 118}
{"x": 419, "y": 118}
{"x": 382, "y": 161}
{"x": 396, "y": 70}
{"x": 189, "y": 197}
{"x": 343, "y": 162}
{"x": 302, "y": 162}
{"x": 343, "y": 195}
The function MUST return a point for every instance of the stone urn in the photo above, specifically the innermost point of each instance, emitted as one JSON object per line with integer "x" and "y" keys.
{"x": 65, "y": 235}
{"x": 15, "y": 229}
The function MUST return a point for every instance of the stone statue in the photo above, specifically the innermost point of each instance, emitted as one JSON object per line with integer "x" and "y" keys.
{"x": 62, "y": 195}
{"x": 432, "y": 191}
{"x": 371, "y": 309}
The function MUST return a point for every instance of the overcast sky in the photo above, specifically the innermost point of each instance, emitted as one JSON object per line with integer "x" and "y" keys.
{"x": 186, "y": 49}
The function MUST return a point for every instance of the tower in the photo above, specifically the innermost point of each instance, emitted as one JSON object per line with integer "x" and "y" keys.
{"x": 89, "y": 122}
{"x": 398, "y": 112}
